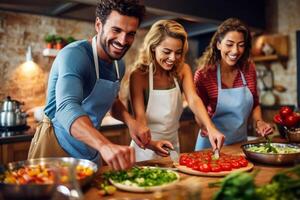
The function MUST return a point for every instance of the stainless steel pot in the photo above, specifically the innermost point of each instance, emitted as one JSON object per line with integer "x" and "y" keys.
{"x": 9, "y": 104}
{"x": 11, "y": 118}
{"x": 11, "y": 114}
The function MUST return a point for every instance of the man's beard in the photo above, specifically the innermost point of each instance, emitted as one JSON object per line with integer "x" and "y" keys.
{"x": 105, "y": 46}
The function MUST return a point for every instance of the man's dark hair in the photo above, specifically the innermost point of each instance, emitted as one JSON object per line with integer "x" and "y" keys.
{"x": 130, "y": 8}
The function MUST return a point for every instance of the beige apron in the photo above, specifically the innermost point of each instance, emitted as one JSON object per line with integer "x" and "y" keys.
{"x": 44, "y": 135}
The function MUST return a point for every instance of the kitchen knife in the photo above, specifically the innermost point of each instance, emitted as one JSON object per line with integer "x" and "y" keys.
{"x": 216, "y": 155}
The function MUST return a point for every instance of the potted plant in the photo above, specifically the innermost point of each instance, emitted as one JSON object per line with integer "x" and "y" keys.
{"x": 59, "y": 42}
{"x": 50, "y": 40}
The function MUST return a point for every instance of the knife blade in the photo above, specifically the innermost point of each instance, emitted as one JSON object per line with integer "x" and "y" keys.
{"x": 216, "y": 155}
{"x": 173, "y": 154}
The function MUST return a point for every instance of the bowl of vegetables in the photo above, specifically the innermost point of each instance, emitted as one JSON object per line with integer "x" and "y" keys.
{"x": 288, "y": 122}
{"x": 271, "y": 153}
{"x": 38, "y": 178}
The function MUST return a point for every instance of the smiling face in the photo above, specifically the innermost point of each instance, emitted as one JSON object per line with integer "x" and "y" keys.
{"x": 168, "y": 53}
{"x": 116, "y": 36}
{"x": 231, "y": 48}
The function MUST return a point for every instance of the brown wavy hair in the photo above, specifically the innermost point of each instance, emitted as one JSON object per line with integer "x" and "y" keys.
{"x": 157, "y": 33}
{"x": 212, "y": 55}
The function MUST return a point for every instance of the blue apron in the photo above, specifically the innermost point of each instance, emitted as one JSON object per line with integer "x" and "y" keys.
{"x": 233, "y": 108}
{"x": 96, "y": 105}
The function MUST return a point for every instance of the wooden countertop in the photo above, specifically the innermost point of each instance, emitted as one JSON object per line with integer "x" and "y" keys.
{"x": 264, "y": 176}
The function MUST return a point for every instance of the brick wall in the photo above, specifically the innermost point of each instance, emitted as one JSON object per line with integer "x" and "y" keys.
{"x": 17, "y": 32}
{"x": 284, "y": 17}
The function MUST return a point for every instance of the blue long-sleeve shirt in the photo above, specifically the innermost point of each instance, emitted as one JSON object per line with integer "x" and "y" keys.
{"x": 72, "y": 78}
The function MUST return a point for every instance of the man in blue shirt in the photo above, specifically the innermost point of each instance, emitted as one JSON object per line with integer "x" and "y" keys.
{"x": 83, "y": 85}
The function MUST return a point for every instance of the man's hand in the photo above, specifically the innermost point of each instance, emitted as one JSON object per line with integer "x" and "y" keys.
{"x": 118, "y": 157}
{"x": 140, "y": 134}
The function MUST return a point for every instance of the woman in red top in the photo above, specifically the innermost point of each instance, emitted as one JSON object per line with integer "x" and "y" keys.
{"x": 226, "y": 82}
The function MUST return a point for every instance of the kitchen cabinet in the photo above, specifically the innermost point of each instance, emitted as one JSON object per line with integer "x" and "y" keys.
{"x": 14, "y": 151}
{"x": 188, "y": 133}
{"x": 117, "y": 134}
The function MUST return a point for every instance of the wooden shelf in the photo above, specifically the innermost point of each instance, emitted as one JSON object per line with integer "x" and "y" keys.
{"x": 271, "y": 58}
{"x": 50, "y": 52}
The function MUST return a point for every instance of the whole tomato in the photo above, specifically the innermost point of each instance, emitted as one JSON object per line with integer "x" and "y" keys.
{"x": 291, "y": 120}
{"x": 277, "y": 119}
{"x": 285, "y": 111}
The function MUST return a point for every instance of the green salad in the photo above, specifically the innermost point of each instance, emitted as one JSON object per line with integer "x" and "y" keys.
{"x": 143, "y": 176}
{"x": 274, "y": 149}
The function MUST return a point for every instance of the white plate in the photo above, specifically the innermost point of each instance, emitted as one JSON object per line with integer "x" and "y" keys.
{"x": 146, "y": 189}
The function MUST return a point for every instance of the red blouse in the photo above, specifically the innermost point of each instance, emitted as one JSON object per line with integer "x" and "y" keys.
{"x": 207, "y": 86}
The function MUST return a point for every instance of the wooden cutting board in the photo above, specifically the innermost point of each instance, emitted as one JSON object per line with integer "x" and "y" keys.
{"x": 190, "y": 171}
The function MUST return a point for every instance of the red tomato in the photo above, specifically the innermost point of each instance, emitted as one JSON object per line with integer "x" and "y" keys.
{"x": 291, "y": 120}
{"x": 196, "y": 166}
{"x": 243, "y": 163}
{"x": 204, "y": 167}
{"x": 277, "y": 119}
{"x": 215, "y": 168}
{"x": 190, "y": 163}
{"x": 235, "y": 164}
{"x": 285, "y": 111}
{"x": 183, "y": 159}
{"x": 225, "y": 166}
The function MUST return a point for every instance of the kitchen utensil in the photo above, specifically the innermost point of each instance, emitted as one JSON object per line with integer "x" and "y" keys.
{"x": 39, "y": 191}
{"x": 9, "y": 104}
{"x": 12, "y": 118}
{"x": 11, "y": 114}
{"x": 271, "y": 158}
{"x": 216, "y": 154}
{"x": 173, "y": 154}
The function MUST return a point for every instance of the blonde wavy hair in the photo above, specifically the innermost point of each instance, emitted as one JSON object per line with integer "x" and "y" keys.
{"x": 212, "y": 54}
{"x": 157, "y": 33}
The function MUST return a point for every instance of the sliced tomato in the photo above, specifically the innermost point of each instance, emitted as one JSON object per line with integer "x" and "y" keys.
{"x": 183, "y": 159}
{"x": 204, "y": 167}
{"x": 215, "y": 167}
{"x": 225, "y": 166}
{"x": 243, "y": 163}
{"x": 234, "y": 164}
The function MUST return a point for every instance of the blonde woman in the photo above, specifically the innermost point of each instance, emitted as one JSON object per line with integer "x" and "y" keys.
{"x": 156, "y": 84}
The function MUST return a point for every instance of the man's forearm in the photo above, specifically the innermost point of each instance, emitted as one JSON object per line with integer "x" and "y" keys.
{"x": 83, "y": 129}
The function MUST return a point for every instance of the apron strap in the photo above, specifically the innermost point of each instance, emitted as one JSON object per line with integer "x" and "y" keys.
{"x": 219, "y": 77}
{"x": 95, "y": 55}
{"x": 243, "y": 78}
{"x": 177, "y": 84}
{"x": 151, "y": 76}
{"x": 117, "y": 69}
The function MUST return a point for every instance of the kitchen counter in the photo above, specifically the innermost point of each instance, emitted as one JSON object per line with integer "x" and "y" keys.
{"x": 264, "y": 176}
{"x": 108, "y": 123}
